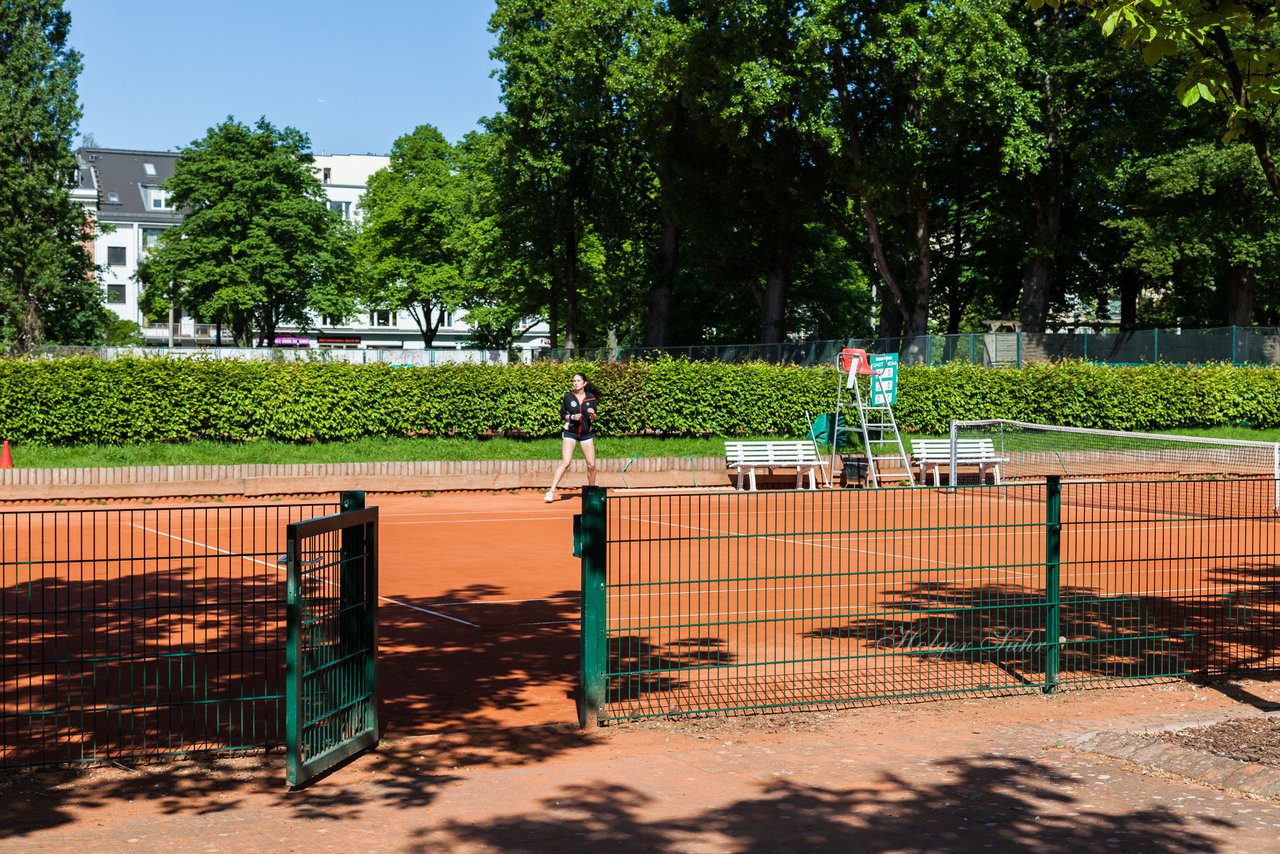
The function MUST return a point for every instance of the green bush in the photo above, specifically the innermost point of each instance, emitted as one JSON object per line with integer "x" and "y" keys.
{"x": 88, "y": 401}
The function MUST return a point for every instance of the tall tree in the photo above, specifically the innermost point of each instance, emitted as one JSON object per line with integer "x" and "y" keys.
{"x": 751, "y": 104}
{"x": 409, "y": 244}
{"x": 564, "y": 122}
{"x": 507, "y": 243}
{"x": 258, "y": 246}
{"x": 47, "y": 287}
{"x": 921, "y": 90}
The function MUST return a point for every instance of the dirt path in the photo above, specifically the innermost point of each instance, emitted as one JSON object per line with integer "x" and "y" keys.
{"x": 962, "y": 775}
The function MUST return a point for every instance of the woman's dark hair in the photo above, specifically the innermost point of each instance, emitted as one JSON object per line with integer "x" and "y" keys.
{"x": 587, "y": 385}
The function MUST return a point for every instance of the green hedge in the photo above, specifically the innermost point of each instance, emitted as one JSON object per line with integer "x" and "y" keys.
{"x": 87, "y": 401}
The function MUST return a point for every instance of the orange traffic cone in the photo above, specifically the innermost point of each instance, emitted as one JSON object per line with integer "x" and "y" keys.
{"x": 6, "y": 461}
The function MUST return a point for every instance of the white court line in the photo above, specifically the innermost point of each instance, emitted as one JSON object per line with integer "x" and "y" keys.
{"x": 204, "y": 546}
{"x": 620, "y": 619}
{"x": 415, "y": 521}
{"x": 1020, "y": 529}
{"x": 541, "y": 509}
{"x": 504, "y": 601}
{"x": 794, "y": 541}
{"x": 386, "y": 599}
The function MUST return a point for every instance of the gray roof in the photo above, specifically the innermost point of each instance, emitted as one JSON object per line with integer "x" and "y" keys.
{"x": 120, "y": 178}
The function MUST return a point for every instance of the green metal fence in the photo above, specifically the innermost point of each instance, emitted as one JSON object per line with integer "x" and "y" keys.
{"x": 1240, "y": 345}
{"x": 699, "y": 603}
{"x": 134, "y": 632}
{"x": 332, "y": 639}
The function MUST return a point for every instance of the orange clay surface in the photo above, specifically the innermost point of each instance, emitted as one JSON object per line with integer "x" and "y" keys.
{"x": 478, "y": 625}
{"x": 479, "y": 642}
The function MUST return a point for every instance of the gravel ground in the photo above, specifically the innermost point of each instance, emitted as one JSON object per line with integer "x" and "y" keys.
{"x": 1242, "y": 739}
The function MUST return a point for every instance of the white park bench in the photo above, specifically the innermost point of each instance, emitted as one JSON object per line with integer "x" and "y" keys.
{"x": 932, "y": 454}
{"x": 746, "y": 457}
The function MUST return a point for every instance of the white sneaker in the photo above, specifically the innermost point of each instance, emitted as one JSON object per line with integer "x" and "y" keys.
{"x": 549, "y": 497}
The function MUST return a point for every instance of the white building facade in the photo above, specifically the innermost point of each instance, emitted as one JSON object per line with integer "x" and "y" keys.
{"x": 121, "y": 190}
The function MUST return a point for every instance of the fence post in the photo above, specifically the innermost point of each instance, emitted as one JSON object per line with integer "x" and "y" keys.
{"x": 1053, "y": 582}
{"x": 1155, "y": 345}
{"x": 293, "y": 713}
{"x": 351, "y": 578}
{"x": 593, "y": 546}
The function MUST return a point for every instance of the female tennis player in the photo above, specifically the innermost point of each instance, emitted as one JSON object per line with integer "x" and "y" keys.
{"x": 578, "y": 414}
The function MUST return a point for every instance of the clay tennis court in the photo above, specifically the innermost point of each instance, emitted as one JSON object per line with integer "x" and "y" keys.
{"x": 717, "y": 600}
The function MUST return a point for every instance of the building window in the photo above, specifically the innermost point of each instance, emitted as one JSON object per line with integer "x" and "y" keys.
{"x": 151, "y": 238}
{"x": 446, "y": 319}
{"x": 328, "y": 173}
{"x": 343, "y": 209}
{"x": 116, "y": 256}
{"x": 115, "y": 294}
{"x": 113, "y": 198}
{"x": 382, "y": 318}
{"x": 157, "y": 199}
{"x": 150, "y": 169}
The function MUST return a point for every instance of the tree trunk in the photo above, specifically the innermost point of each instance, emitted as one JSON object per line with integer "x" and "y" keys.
{"x": 657, "y": 327}
{"x": 891, "y": 313}
{"x": 777, "y": 283}
{"x": 1037, "y": 279}
{"x": 890, "y": 325}
{"x": 1254, "y": 130}
{"x": 1130, "y": 287}
{"x": 910, "y": 316}
{"x": 1046, "y": 217}
{"x": 553, "y": 313}
{"x": 428, "y": 322}
{"x": 917, "y": 319}
{"x": 571, "y": 288}
{"x": 1239, "y": 296}
{"x": 1037, "y": 273}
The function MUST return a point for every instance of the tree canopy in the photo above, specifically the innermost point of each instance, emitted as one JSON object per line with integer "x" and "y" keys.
{"x": 258, "y": 245}
{"x": 1231, "y": 52}
{"x": 410, "y": 243}
{"x": 47, "y": 286}
{"x": 671, "y": 172}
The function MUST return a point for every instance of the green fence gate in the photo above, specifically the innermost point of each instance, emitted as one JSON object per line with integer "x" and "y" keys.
{"x": 332, "y": 647}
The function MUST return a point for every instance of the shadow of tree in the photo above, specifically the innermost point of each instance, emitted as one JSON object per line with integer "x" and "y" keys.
{"x": 987, "y": 802}
{"x": 437, "y": 675}
{"x": 1005, "y": 626}
{"x": 407, "y": 774}
{"x": 455, "y": 683}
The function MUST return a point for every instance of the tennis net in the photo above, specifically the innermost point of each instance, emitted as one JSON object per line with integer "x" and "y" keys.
{"x": 1030, "y": 450}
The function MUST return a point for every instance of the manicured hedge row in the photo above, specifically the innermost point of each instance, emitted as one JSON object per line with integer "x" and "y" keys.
{"x": 84, "y": 400}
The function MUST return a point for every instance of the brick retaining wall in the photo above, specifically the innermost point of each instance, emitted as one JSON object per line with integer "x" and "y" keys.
{"x": 21, "y": 484}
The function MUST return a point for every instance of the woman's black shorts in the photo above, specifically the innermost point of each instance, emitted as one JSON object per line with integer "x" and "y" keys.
{"x": 569, "y": 434}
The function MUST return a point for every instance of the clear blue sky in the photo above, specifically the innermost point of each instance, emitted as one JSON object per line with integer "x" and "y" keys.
{"x": 352, "y": 75}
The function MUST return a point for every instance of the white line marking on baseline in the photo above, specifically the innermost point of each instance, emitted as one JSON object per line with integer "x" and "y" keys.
{"x": 386, "y": 599}
{"x": 794, "y": 540}
{"x": 429, "y": 521}
{"x": 504, "y": 601}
